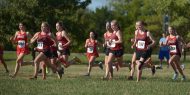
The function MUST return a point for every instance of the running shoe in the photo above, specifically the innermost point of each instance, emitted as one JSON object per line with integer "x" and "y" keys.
{"x": 159, "y": 67}
{"x": 175, "y": 76}
{"x": 77, "y": 59}
{"x": 183, "y": 78}
{"x": 40, "y": 71}
{"x": 182, "y": 66}
{"x": 60, "y": 73}
{"x": 33, "y": 78}
{"x": 12, "y": 76}
{"x": 87, "y": 74}
{"x": 100, "y": 65}
{"x": 153, "y": 69}
{"x": 130, "y": 78}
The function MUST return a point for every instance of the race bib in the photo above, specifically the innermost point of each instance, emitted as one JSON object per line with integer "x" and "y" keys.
{"x": 112, "y": 44}
{"x": 90, "y": 49}
{"x": 40, "y": 45}
{"x": 21, "y": 44}
{"x": 60, "y": 46}
{"x": 173, "y": 48}
{"x": 141, "y": 44}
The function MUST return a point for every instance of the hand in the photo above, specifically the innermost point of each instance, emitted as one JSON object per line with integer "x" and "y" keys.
{"x": 35, "y": 49}
{"x": 132, "y": 46}
{"x": 148, "y": 47}
{"x": 11, "y": 38}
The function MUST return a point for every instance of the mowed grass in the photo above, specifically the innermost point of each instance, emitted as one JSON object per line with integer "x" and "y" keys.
{"x": 74, "y": 83}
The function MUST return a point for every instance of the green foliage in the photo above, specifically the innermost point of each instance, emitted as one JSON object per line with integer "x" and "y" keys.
{"x": 80, "y": 21}
{"x": 33, "y": 12}
{"x": 152, "y": 12}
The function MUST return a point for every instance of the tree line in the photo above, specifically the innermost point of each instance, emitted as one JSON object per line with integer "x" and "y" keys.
{"x": 79, "y": 20}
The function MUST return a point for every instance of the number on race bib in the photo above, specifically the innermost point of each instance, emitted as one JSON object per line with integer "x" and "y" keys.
{"x": 173, "y": 48}
{"x": 40, "y": 45}
{"x": 21, "y": 44}
{"x": 90, "y": 49}
{"x": 60, "y": 46}
{"x": 141, "y": 44}
{"x": 112, "y": 44}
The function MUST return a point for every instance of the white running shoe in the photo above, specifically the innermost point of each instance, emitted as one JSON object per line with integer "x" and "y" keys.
{"x": 182, "y": 66}
{"x": 175, "y": 76}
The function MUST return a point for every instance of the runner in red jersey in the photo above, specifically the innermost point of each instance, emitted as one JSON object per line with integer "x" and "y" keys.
{"x": 21, "y": 39}
{"x": 44, "y": 43}
{"x": 107, "y": 36}
{"x": 148, "y": 62}
{"x": 141, "y": 42}
{"x": 53, "y": 59}
{"x": 116, "y": 49}
{"x": 2, "y": 59}
{"x": 91, "y": 50}
{"x": 173, "y": 41}
{"x": 64, "y": 42}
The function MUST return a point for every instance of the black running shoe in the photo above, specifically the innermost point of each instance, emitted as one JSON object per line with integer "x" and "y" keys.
{"x": 40, "y": 71}
{"x": 60, "y": 73}
{"x": 87, "y": 74}
{"x": 153, "y": 70}
{"x": 100, "y": 65}
{"x": 33, "y": 78}
{"x": 130, "y": 78}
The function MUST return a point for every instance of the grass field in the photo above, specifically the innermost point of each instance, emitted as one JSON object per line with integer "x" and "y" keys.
{"x": 74, "y": 83}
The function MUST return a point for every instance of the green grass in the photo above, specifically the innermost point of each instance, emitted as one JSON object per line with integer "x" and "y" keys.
{"x": 73, "y": 83}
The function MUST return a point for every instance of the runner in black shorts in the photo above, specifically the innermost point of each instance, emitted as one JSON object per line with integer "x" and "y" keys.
{"x": 142, "y": 38}
{"x": 64, "y": 42}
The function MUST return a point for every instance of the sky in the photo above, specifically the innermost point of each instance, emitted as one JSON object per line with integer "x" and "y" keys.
{"x": 97, "y": 4}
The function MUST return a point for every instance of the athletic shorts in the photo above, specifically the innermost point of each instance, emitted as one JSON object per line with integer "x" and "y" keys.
{"x": 143, "y": 54}
{"x": 163, "y": 54}
{"x": 106, "y": 51}
{"x": 54, "y": 54}
{"x": 89, "y": 55}
{"x": 149, "y": 52}
{"x": 22, "y": 50}
{"x": 48, "y": 53}
{"x": 117, "y": 53}
{"x": 64, "y": 52}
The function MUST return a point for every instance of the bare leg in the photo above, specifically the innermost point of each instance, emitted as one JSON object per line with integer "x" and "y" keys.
{"x": 43, "y": 70}
{"x": 18, "y": 63}
{"x": 132, "y": 65}
{"x": 3, "y": 62}
{"x": 171, "y": 62}
{"x": 91, "y": 61}
{"x": 139, "y": 68}
{"x": 106, "y": 64}
{"x": 177, "y": 58}
{"x": 110, "y": 69}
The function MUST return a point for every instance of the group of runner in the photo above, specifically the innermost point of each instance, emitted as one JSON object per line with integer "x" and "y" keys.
{"x": 55, "y": 49}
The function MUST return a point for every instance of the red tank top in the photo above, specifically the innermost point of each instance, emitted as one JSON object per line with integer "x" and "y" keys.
{"x": 91, "y": 46}
{"x": 21, "y": 40}
{"x": 115, "y": 46}
{"x": 61, "y": 41}
{"x": 142, "y": 41}
{"x": 44, "y": 42}
{"x": 107, "y": 37}
{"x": 173, "y": 44}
